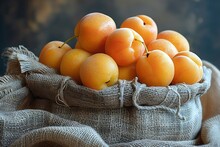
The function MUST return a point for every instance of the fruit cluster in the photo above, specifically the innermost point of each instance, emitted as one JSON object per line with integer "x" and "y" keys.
{"x": 104, "y": 53}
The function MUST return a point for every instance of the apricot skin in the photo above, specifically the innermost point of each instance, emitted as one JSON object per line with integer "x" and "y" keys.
{"x": 188, "y": 68}
{"x": 77, "y": 45}
{"x": 177, "y": 39}
{"x": 99, "y": 71}
{"x": 127, "y": 72}
{"x": 163, "y": 45}
{"x": 71, "y": 62}
{"x": 155, "y": 69}
{"x": 51, "y": 54}
{"x": 144, "y": 25}
{"x": 123, "y": 47}
{"x": 92, "y": 31}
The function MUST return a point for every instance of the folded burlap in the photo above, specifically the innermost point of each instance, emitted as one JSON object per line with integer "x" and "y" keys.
{"x": 126, "y": 114}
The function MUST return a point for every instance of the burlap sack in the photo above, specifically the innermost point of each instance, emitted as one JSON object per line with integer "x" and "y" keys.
{"x": 12, "y": 86}
{"x": 125, "y": 112}
{"x": 132, "y": 121}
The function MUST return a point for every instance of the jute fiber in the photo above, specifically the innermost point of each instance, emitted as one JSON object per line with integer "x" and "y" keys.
{"x": 57, "y": 111}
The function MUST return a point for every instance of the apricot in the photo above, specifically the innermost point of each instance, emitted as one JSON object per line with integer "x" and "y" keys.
{"x": 188, "y": 68}
{"x": 77, "y": 45}
{"x": 125, "y": 46}
{"x": 143, "y": 25}
{"x": 177, "y": 39}
{"x": 155, "y": 69}
{"x": 99, "y": 71}
{"x": 92, "y": 31}
{"x": 51, "y": 54}
{"x": 127, "y": 72}
{"x": 163, "y": 45}
{"x": 71, "y": 62}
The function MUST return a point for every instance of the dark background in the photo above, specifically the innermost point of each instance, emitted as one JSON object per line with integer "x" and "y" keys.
{"x": 33, "y": 23}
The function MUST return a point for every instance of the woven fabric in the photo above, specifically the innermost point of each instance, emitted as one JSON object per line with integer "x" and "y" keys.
{"x": 39, "y": 107}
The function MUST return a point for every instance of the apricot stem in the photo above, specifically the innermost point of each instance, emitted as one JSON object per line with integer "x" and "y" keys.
{"x": 68, "y": 40}
{"x": 143, "y": 44}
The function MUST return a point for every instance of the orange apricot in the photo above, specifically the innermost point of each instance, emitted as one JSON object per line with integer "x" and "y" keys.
{"x": 125, "y": 46}
{"x": 155, "y": 69}
{"x": 177, "y": 39}
{"x": 99, "y": 71}
{"x": 92, "y": 31}
{"x": 71, "y": 62}
{"x": 143, "y": 25}
{"x": 77, "y": 45}
{"x": 163, "y": 45}
{"x": 52, "y": 53}
{"x": 188, "y": 68}
{"x": 127, "y": 72}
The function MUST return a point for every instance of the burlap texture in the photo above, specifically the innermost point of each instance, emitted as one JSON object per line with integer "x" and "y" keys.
{"x": 126, "y": 114}
{"x": 12, "y": 92}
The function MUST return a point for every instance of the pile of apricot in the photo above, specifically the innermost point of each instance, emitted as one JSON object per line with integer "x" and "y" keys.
{"x": 103, "y": 53}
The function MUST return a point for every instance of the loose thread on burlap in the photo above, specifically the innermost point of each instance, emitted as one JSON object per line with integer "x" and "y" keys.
{"x": 136, "y": 93}
{"x": 27, "y": 64}
{"x": 5, "y": 92}
{"x": 179, "y": 105}
{"x": 6, "y": 79}
{"x": 9, "y": 78}
{"x": 12, "y": 52}
{"x": 188, "y": 91}
{"x": 121, "y": 92}
{"x": 166, "y": 97}
{"x": 60, "y": 100}
{"x": 138, "y": 88}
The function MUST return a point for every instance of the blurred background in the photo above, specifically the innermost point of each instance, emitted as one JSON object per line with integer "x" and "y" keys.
{"x": 34, "y": 23}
